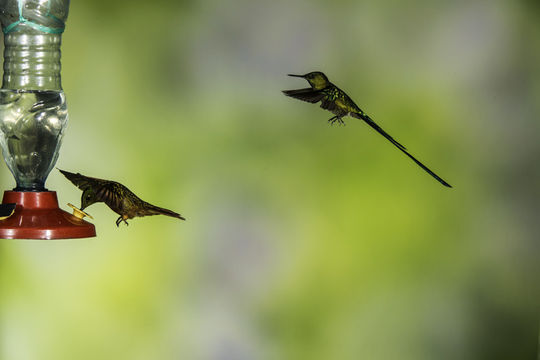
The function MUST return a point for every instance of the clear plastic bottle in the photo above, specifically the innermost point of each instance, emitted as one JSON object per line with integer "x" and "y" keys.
{"x": 33, "y": 111}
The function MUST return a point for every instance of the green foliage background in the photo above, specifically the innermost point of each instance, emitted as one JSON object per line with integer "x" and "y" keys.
{"x": 303, "y": 241}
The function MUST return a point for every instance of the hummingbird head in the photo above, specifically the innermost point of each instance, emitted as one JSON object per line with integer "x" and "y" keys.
{"x": 88, "y": 198}
{"x": 316, "y": 79}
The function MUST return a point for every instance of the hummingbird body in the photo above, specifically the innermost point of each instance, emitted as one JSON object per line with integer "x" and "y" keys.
{"x": 340, "y": 104}
{"x": 119, "y": 198}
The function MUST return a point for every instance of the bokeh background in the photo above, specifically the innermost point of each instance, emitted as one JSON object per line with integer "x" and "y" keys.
{"x": 303, "y": 241}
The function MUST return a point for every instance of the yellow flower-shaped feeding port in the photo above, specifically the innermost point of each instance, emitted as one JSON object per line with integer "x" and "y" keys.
{"x": 78, "y": 213}
{"x": 6, "y": 210}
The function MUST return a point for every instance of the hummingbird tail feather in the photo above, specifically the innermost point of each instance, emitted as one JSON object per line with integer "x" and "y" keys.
{"x": 377, "y": 128}
{"x": 371, "y": 123}
{"x": 156, "y": 210}
{"x": 426, "y": 169}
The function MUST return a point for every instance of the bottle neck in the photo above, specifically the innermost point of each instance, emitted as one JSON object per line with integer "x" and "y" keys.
{"x": 32, "y": 61}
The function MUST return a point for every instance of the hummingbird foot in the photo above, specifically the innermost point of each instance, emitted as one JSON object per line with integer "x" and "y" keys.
{"x": 337, "y": 119}
{"x": 119, "y": 220}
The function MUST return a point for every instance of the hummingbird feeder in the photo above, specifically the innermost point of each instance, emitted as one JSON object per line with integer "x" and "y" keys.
{"x": 33, "y": 117}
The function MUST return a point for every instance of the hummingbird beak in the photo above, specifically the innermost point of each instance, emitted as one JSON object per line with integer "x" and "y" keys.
{"x": 300, "y": 76}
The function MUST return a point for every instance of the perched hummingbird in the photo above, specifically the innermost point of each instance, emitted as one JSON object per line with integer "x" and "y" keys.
{"x": 340, "y": 104}
{"x": 118, "y": 197}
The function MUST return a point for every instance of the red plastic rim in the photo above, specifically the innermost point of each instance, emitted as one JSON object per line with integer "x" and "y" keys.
{"x": 37, "y": 216}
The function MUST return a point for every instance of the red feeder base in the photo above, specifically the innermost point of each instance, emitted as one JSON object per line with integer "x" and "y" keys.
{"x": 37, "y": 216}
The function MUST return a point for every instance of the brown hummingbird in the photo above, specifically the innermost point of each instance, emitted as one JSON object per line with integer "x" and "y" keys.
{"x": 118, "y": 197}
{"x": 340, "y": 104}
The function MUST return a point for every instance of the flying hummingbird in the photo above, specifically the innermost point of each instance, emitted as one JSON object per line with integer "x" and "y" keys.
{"x": 340, "y": 104}
{"x": 118, "y": 197}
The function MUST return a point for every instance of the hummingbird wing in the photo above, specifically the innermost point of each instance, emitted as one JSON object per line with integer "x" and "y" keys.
{"x": 81, "y": 181}
{"x": 112, "y": 194}
{"x": 308, "y": 95}
{"x": 332, "y": 106}
{"x": 109, "y": 192}
{"x": 372, "y": 123}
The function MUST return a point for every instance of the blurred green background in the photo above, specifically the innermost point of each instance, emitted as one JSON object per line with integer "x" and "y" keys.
{"x": 303, "y": 241}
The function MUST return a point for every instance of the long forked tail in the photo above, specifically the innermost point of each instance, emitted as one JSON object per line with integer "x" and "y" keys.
{"x": 156, "y": 210}
{"x": 372, "y": 123}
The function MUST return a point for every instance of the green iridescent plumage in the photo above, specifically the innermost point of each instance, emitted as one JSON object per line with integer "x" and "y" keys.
{"x": 340, "y": 104}
{"x": 118, "y": 197}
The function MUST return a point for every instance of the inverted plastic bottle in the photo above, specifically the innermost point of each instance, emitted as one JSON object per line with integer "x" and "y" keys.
{"x": 33, "y": 116}
{"x": 33, "y": 111}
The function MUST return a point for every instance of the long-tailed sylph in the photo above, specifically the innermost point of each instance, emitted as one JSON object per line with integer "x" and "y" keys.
{"x": 340, "y": 104}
